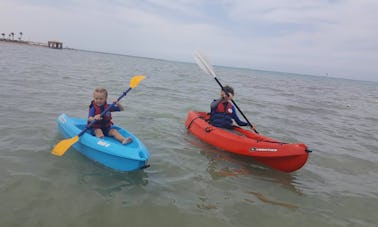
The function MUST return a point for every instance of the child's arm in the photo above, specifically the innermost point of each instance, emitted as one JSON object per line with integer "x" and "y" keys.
{"x": 237, "y": 119}
{"x": 118, "y": 106}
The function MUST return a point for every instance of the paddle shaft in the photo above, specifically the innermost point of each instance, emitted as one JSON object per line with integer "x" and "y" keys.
{"x": 237, "y": 107}
{"x": 104, "y": 112}
{"x": 205, "y": 65}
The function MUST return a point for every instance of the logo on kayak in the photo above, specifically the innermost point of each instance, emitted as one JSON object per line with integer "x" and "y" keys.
{"x": 253, "y": 149}
{"x": 62, "y": 119}
{"x": 103, "y": 143}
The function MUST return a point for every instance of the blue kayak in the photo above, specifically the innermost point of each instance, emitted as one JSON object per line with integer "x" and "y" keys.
{"x": 107, "y": 151}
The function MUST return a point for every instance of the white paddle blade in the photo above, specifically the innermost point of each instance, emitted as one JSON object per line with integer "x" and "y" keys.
{"x": 204, "y": 63}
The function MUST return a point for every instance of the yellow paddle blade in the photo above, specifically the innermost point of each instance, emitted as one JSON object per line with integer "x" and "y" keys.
{"x": 136, "y": 80}
{"x": 64, "y": 145}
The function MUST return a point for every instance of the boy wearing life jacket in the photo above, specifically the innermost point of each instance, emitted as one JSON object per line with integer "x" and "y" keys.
{"x": 223, "y": 112}
{"x": 103, "y": 125}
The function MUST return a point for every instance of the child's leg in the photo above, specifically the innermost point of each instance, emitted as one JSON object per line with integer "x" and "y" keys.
{"x": 98, "y": 133}
{"x": 114, "y": 132}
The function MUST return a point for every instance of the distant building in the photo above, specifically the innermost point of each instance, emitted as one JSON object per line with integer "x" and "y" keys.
{"x": 55, "y": 44}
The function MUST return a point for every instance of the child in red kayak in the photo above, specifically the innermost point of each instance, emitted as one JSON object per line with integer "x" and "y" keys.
{"x": 103, "y": 125}
{"x": 223, "y": 112}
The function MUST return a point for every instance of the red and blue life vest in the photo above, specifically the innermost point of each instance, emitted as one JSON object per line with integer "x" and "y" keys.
{"x": 221, "y": 116}
{"x": 106, "y": 120}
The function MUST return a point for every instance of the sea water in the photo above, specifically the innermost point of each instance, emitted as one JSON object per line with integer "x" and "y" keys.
{"x": 189, "y": 183}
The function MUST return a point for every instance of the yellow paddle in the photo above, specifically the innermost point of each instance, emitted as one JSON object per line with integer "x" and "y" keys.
{"x": 64, "y": 145}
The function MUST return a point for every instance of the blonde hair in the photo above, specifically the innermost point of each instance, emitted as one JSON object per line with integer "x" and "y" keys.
{"x": 101, "y": 90}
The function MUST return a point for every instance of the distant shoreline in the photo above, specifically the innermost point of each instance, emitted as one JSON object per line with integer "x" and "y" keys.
{"x": 33, "y": 43}
{"x": 39, "y": 44}
{"x": 24, "y": 42}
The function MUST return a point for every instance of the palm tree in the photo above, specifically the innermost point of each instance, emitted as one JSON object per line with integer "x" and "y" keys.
{"x": 3, "y": 34}
{"x": 20, "y": 37}
{"x": 12, "y": 34}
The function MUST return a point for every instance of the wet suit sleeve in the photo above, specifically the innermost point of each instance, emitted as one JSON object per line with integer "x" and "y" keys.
{"x": 115, "y": 108}
{"x": 236, "y": 118}
{"x": 91, "y": 112}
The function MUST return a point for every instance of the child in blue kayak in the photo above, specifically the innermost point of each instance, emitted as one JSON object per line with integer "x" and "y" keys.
{"x": 103, "y": 125}
{"x": 223, "y": 112}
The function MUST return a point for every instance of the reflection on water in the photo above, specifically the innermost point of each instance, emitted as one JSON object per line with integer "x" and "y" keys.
{"x": 108, "y": 183}
{"x": 100, "y": 179}
{"x": 264, "y": 199}
{"x": 224, "y": 164}
{"x": 205, "y": 204}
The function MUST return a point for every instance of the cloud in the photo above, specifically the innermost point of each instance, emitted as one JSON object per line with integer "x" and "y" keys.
{"x": 313, "y": 37}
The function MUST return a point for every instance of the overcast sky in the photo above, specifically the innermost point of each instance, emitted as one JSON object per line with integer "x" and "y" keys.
{"x": 338, "y": 38}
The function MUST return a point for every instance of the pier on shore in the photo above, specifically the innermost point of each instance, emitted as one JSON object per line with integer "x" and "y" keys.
{"x": 50, "y": 44}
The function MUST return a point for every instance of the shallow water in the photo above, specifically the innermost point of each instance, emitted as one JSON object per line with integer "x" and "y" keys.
{"x": 189, "y": 182}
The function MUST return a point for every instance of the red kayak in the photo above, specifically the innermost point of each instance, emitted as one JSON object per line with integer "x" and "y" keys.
{"x": 286, "y": 157}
